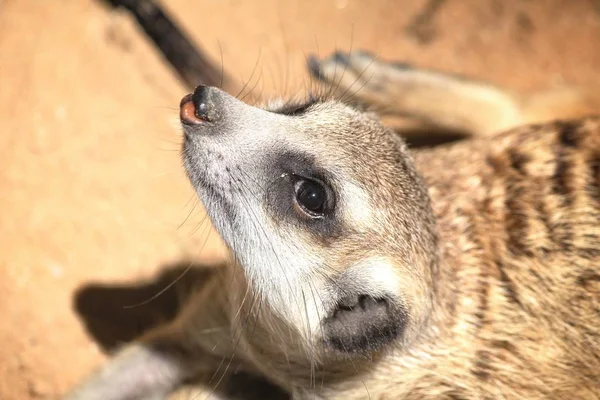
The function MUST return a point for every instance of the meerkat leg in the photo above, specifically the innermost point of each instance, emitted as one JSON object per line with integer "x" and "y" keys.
{"x": 161, "y": 361}
{"x": 437, "y": 98}
{"x": 140, "y": 371}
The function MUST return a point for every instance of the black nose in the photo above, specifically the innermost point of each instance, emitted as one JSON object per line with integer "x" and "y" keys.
{"x": 201, "y": 106}
{"x": 201, "y": 100}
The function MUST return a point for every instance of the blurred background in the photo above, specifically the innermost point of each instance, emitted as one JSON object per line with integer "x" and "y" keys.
{"x": 92, "y": 191}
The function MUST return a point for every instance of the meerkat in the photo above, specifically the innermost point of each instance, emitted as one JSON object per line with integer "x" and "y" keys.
{"x": 363, "y": 269}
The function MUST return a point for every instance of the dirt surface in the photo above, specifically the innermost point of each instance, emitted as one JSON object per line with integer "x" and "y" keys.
{"x": 91, "y": 185}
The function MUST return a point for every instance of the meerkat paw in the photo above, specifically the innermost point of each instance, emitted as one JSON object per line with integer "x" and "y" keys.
{"x": 441, "y": 99}
{"x": 359, "y": 76}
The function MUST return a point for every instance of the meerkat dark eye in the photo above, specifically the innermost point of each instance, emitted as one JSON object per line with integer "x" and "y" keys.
{"x": 311, "y": 197}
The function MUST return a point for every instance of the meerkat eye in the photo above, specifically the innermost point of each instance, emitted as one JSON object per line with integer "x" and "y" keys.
{"x": 311, "y": 197}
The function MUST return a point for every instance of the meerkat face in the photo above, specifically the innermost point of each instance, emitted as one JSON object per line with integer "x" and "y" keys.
{"x": 322, "y": 208}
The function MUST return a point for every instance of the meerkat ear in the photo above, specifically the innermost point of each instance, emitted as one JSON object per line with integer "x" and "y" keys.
{"x": 363, "y": 323}
{"x": 369, "y": 313}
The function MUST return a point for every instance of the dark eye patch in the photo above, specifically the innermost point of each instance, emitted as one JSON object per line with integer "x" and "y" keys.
{"x": 286, "y": 170}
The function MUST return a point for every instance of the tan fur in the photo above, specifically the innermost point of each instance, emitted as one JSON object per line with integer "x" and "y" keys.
{"x": 511, "y": 308}
{"x": 525, "y": 207}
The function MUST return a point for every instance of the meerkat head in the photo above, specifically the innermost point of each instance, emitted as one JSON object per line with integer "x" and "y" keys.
{"x": 323, "y": 210}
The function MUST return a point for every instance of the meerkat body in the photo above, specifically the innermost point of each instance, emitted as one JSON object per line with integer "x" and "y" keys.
{"x": 365, "y": 270}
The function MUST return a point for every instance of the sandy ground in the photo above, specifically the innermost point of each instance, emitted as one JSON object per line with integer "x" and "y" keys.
{"x": 91, "y": 186}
